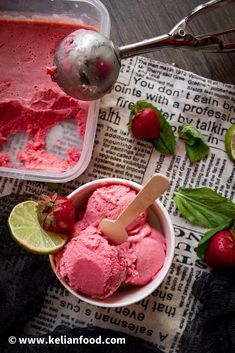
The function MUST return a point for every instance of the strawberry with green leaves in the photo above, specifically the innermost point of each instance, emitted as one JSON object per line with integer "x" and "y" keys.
{"x": 147, "y": 122}
{"x": 217, "y": 246}
{"x": 56, "y": 213}
{"x": 207, "y": 208}
{"x": 221, "y": 250}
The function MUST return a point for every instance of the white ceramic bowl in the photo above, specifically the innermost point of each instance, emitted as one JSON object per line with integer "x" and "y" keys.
{"x": 158, "y": 218}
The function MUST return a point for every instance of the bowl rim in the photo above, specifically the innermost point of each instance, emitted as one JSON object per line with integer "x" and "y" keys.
{"x": 160, "y": 276}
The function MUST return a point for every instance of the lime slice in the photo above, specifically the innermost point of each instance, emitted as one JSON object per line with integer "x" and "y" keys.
{"x": 230, "y": 142}
{"x": 26, "y": 230}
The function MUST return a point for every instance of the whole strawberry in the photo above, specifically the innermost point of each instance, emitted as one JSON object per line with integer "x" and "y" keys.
{"x": 146, "y": 124}
{"x": 221, "y": 250}
{"x": 56, "y": 213}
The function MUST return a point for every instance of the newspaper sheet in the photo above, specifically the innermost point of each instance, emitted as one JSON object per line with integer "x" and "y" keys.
{"x": 182, "y": 97}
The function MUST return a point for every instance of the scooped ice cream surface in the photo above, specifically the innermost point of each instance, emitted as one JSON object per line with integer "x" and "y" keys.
{"x": 30, "y": 102}
{"x": 108, "y": 202}
{"x": 91, "y": 265}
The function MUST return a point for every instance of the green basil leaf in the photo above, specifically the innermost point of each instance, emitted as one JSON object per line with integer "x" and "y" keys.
{"x": 166, "y": 142}
{"x": 205, "y": 240}
{"x": 204, "y": 207}
{"x": 196, "y": 146}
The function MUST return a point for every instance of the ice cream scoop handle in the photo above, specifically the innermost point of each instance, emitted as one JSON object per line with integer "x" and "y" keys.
{"x": 146, "y": 196}
{"x": 180, "y": 37}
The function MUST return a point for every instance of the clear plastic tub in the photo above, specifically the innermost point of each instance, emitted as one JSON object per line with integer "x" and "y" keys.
{"x": 87, "y": 12}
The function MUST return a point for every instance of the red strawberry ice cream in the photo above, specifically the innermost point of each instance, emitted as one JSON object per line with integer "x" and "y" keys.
{"x": 30, "y": 103}
{"x": 150, "y": 255}
{"x": 108, "y": 202}
{"x": 91, "y": 265}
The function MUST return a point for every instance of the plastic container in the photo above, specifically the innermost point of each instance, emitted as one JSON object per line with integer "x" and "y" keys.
{"x": 158, "y": 218}
{"x": 88, "y": 12}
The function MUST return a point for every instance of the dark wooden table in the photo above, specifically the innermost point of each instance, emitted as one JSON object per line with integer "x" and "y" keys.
{"x": 134, "y": 20}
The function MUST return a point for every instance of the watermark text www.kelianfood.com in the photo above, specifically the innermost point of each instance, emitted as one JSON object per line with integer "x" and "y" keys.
{"x": 66, "y": 340}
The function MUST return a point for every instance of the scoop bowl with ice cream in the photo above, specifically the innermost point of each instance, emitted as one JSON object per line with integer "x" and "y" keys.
{"x": 98, "y": 271}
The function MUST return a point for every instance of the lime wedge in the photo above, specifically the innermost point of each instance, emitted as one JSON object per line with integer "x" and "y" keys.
{"x": 230, "y": 142}
{"x": 27, "y": 232}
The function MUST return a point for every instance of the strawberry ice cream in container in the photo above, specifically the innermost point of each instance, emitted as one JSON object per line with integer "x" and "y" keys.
{"x": 107, "y": 271}
{"x": 45, "y": 135}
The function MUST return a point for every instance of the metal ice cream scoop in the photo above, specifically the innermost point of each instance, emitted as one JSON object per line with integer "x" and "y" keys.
{"x": 87, "y": 64}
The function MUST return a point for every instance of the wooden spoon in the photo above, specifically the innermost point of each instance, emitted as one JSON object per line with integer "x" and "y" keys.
{"x": 115, "y": 230}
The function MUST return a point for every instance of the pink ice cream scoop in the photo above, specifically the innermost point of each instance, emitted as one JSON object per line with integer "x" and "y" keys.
{"x": 150, "y": 253}
{"x": 108, "y": 202}
{"x": 90, "y": 265}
